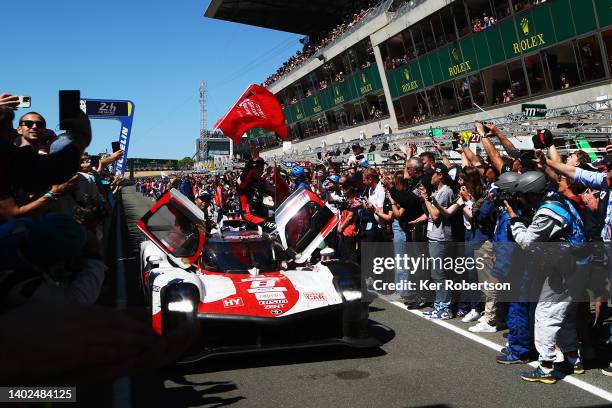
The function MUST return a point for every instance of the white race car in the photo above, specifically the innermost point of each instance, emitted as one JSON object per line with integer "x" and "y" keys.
{"x": 251, "y": 291}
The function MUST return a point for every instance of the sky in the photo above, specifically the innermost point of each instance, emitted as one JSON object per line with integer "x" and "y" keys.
{"x": 153, "y": 52}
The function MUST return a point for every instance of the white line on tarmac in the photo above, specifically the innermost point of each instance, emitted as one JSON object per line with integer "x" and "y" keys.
{"x": 585, "y": 386}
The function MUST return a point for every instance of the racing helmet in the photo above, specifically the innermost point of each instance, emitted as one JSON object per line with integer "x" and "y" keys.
{"x": 508, "y": 181}
{"x": 532, "y": 182}
{"x": 297, "y": 171}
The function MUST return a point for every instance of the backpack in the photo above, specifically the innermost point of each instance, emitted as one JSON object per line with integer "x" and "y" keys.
{"x": 573, "y": 228}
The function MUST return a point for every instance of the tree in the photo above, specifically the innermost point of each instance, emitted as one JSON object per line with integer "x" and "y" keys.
{"x": 186, "y": 162}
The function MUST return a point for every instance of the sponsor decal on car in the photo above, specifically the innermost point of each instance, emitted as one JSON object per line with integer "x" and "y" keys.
{"x": 316, "y": 296}
{"x": 261, "y": 290}
{"x": 269, "y": 295}
{"x": 276, "y": 311}
{"x": 241, "y": 237}
{"x": 259, "y": 278}
{"x": 267, "y": 307}
{"x": 265, "y": 285}
{"x": 233, "y": 302}
{"x": 273, "y": 302}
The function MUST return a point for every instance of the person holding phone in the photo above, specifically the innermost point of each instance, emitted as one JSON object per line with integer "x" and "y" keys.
{"x": 24, "y": 169}
{"x": 439, "y": 234}
{"x": 32, "y": 130}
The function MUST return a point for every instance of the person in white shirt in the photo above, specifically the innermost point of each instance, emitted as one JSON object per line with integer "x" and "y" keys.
{"x": 375, "y": 198}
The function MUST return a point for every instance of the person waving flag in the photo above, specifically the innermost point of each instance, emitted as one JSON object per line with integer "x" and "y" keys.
{"x": 256, "y": 108}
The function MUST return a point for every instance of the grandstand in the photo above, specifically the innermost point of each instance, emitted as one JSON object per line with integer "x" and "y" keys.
{"x": 405, "y": 67}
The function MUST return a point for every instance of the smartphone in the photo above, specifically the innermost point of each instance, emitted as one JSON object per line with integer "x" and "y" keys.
{"x": 115, "y": 146}
{"x": 25, "y": 102}
{"x": 359, "y": 157}
{"x": 69, "y": 107}
{"x": 95, "y": 161}
{"x": 455, "y": 144}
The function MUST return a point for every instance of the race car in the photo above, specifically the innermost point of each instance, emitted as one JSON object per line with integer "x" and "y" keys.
{"x": 246, "y": 289}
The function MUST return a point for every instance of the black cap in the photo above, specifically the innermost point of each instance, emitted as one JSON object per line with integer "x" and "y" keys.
{"x": 355, "y": 146}
{"x": 440, "y": 168}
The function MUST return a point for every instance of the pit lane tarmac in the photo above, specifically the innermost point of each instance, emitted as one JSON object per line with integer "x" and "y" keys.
{"x": 421, "y": 364}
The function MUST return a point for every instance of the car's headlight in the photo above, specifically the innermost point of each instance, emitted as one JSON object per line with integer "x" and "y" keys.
{"x": 184, "y": 306}
{"x": 351, "y": 294}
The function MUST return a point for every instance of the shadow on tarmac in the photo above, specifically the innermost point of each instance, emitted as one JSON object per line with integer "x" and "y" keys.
{"x": 286, "y": 357}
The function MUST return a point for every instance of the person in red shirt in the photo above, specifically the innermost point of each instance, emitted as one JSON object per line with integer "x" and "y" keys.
{"x": 348, "y": 228}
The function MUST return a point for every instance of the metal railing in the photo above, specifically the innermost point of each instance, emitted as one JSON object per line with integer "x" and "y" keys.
{"x": 591, "y": 119}
{"x": 378, "y": 10}
{"x": 405, "y": 8}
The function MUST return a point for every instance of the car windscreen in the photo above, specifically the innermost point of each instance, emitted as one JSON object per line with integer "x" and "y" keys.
{"x": 239, "y": 257}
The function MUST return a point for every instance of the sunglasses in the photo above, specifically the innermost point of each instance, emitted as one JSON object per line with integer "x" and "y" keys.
{"x": 30, "y": 123}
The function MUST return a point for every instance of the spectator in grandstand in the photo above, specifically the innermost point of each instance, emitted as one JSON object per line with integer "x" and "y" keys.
{"x": 309, "y": 49}
{"x": 565, "y": 83}
{"x": 505, "y": 97}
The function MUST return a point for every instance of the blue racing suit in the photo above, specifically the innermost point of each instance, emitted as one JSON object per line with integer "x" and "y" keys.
{"x": 510, "y": 267}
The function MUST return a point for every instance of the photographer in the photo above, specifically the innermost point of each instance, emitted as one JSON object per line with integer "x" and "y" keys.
{"x": 554, "y": 220}
{"x": 510, "y": 265}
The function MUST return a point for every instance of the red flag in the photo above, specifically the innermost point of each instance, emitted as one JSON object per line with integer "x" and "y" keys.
{"x": 257, "y": 107}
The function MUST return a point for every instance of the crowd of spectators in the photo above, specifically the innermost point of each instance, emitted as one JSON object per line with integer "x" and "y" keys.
{"x": 310, "y": 49}
{"x": 505, "y": 97}
{"x": 504, "y": 204}
{"x": 55, "y": 212}
{"x": 479, "y": 25}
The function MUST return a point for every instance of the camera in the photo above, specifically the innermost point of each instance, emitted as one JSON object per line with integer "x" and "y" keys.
{"x": 342, "y": 204}
{"x": 508, "y": 196}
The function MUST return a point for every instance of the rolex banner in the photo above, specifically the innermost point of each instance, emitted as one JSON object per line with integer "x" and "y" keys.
{"x": 256, "y": 108}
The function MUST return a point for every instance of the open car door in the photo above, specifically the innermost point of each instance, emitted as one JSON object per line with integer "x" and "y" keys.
{"x": 176, "y": 226}
{"x": 303, "y": 221}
